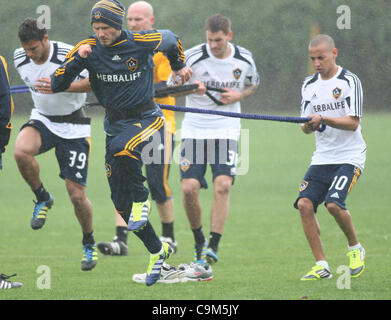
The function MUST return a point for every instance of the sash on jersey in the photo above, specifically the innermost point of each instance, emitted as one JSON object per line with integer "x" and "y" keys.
{"x": 77, "y": 117}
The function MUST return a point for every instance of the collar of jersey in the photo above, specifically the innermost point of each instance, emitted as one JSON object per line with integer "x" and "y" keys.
{"x": 334, "y": 76}
{"x": 121, "y": 39}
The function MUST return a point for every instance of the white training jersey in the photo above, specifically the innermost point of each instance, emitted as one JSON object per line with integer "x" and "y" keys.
{"x": 236, "y": 72}
{"x": 337, "y": 97}
{"x": 62, "y": 103}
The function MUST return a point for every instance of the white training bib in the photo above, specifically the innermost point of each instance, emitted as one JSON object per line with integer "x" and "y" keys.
{"x": 235, "y": 72}
{"x": 337, "y": 97}
{"x": 62, "y": 103}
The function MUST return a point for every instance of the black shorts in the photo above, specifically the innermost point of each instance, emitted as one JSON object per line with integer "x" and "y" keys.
{"x": 72, "y": 154}
{"x": 196, "y": 154}
{"x": 328, "y": 183}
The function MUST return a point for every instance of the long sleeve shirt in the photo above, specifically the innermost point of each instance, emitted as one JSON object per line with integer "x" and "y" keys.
{"x": 121, "y": 75}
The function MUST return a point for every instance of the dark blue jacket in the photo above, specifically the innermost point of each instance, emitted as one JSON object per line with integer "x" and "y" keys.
{"x": 6, "y": 106}
{"x": 121, "y": 75}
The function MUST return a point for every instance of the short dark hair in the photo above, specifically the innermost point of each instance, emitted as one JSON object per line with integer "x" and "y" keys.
{"x": 218, "y": 22}
{"x": 29, "y": 30}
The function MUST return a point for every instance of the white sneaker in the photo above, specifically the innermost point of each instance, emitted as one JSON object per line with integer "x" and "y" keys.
{"x": 197, "y": 271}
{"x": 169, "y": 274}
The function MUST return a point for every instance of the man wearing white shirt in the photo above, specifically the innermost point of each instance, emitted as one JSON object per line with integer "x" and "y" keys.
{"x": 213, "y": 139}
{"x": 332, "y": 98}
{"x": 57, "y": 121}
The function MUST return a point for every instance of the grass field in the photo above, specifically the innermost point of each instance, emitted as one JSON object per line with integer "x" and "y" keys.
{"x": 263, "y": 252}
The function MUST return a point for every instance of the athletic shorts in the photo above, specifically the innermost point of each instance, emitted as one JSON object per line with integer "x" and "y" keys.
{"x": 72, "y": 154}
{"x": 328, "y": 183}
{"x": 157, "y": 172}
{"x": 196, "y": 154}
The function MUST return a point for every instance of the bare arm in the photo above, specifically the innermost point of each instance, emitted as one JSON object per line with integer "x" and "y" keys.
{"x": 43, "y": 86}
{"x": 231, "y": 96}
{"x": 343, "y": 123}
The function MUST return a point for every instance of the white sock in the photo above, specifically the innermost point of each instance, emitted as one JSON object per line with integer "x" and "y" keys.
{"x": 323, "y": 263}
{"x": 356, "y": 246}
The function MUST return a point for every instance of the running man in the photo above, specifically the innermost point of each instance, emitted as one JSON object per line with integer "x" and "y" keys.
{"x": 56, "y": 121}
{"x": 140, "y": 17}
{"x": 332, "y": 98}
{"x": 221, "y": 64}
{"x": 120, "y": 65}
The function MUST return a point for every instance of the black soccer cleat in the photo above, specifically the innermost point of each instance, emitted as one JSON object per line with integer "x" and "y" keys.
{"x": 90, "y": 257}
{"x": 40, "y": 211}
{"x": 113, "y": 248}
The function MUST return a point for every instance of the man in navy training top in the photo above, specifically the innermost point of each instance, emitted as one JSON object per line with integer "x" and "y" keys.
{"x": 120, "y": 66}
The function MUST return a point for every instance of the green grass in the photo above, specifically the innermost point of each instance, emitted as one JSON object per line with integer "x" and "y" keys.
{"x": 263, "y": 252}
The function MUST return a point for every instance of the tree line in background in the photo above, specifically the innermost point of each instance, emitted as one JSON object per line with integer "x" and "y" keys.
{"x": 276, "y": 32}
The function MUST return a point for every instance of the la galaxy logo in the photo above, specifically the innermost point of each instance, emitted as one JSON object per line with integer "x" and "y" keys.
{"x": 237, "y": 73}
{"x": 337, "y": 93}
{"x": 132, "y": 64}
{"x": 108, "y": 170}
{"x": 97, "y": 15}
{"x": 185, "y": 165}
{"x": 303, "y": 185}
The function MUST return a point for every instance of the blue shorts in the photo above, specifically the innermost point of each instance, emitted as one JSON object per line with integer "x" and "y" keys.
{"x": 221, "y": 154}
{"x": 124, "y": 158}
{"x": 157, "y": 172}
{"x": 72, "y": 154}
{"x": 328, "y": 183}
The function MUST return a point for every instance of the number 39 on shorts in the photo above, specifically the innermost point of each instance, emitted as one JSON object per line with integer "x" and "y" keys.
{"x": 77, "y": 160}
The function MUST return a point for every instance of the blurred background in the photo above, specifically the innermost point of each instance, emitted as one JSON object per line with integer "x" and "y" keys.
{"x": 276, "y": 32}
